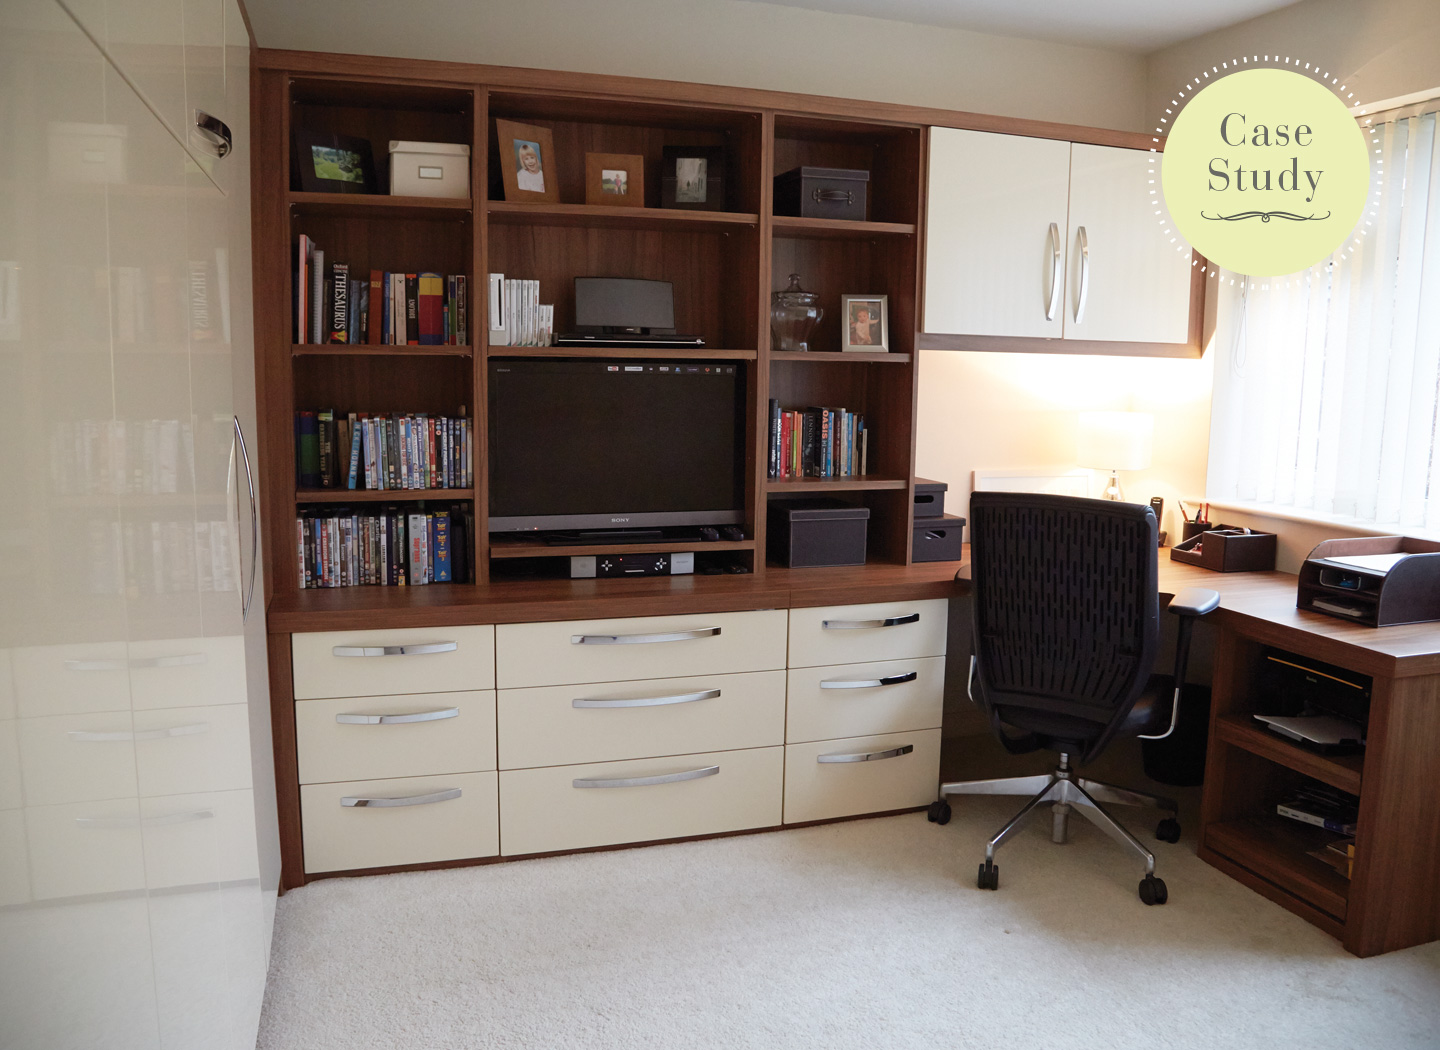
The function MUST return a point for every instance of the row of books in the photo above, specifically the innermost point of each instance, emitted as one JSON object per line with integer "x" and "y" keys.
{"x": 517, "y": 317}
{"x": 116, "y": 457}
{"x": 1323, "y": 806}
{"x": 397, "y": 309}
{"x": 137, "y": 558}
{"x": 391, "y": 547}
{"x": 364, "y": 451}
{"x": 817, "y": 442}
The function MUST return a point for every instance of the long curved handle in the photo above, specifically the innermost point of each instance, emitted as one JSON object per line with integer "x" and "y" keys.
{"x": 868, "y": 756}
{"x": 643, "y": 639}
{"x": 138, "y": 734}
{"x": 1084, "y": 273}
{"x": 632, "y": 782}
{"x": 869, "y": 683}
{"x": 416, "y": 649}
{"x": 649, "y": 701}
{"x": 391, "y": 720}
{"x": 213, "y": 133}
{"x": 254, "y": 514}
{"x": 145, "y": 822}
{"x": 382, "y": 802}
{"x": 1054, "y": 303}
{"x": 860, "y": 625}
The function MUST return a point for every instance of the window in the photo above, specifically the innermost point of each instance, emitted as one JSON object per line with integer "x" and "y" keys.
{"x": 1327, "y": 383}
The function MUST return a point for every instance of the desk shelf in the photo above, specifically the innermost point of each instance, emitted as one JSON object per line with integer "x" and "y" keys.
{"x": 1339, "y": 771}
{"x": 1275, "y": 849}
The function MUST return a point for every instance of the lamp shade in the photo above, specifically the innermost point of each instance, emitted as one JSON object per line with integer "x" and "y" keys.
{"x": 1115, "y": 440}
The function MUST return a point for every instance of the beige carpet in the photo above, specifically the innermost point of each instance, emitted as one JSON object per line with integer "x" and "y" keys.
{"x": 862, "y": 934}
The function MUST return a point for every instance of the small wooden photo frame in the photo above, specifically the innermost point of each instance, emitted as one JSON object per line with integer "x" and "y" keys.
{"x": 865, "y": 323}
{"x": 331, "y": 163}
{"x": 693, "y": 177}
{"x": 528, "y": 165}
{"x": 615, "y": 179}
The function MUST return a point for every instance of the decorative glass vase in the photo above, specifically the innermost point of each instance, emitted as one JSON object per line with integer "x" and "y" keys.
{"x": 793, "y": 316}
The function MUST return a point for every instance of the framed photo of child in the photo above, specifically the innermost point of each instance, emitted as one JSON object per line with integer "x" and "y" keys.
{"x": 528, "y": 165}
{"x": 615, "y": 179}
{"x": 865, "y": 323}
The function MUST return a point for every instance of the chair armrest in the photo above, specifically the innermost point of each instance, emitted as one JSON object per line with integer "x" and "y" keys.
{"x": 1195, "y": 601}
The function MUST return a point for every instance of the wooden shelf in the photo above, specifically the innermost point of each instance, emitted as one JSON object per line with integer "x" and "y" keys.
{"x": 623, "y": 353}
{"x": 1275, "y": 849}
{"x": 379, "y": 205}
{"x": 380, "y": 495}
{"x": 1339, "y": 771}
{"x": 840, "y": 229}
{"x": 853, "y": 357}
{"x": 511, "y": 213}
{"x": 861, "y": 483}
{"x": 373, "y": 350}
{"x": 534, "y": 549}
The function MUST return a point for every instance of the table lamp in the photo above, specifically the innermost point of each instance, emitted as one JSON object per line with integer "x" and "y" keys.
{"x": 1115, "y": 441}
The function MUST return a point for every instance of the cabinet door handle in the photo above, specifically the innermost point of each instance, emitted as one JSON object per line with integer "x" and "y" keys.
{"x": 395, "y": 650}
{"x": 1054, "y": 303}
{"x": 869, "y": 683}
{"x": 179, "y": 660}
{"x": 391, "y": 720}
{"x": 643, "y": 639}
{"x": 254, "y": 513}
{"x": 381, "y": 802}
{"x": 212, "y": 132}
{"x": 95, "y": 665}
{"x": 635, "y": 782}
{"x": 1084, "y": 273}
{"x": 859, "y": 625}
{"x": 140, "y": 734}
{"x": 650, "y": 701}
{"x": 868, "y": 756}
{"x": 96, "y": 823}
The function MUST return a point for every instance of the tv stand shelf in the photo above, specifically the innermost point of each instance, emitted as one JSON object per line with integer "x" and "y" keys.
{"x": 528, "y": 548}
{"x": 624, "y": 353}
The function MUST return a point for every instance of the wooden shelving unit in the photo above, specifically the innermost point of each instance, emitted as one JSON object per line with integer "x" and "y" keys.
{"x": 382, "y": 350}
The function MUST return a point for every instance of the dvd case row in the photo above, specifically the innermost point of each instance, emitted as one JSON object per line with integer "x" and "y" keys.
{"x": 390, "y": 547}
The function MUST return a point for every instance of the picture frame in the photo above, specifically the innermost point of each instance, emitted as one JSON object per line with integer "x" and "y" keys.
{"x": 615, "y": 180}
{"x": 529, "y": 167}
{"x": 693, "y": 178}
{"x": 328, "y": 162}
{"x": 865, "y": 323}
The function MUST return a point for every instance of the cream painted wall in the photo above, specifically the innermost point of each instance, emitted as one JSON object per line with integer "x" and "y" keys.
{"x": 737, "y": 43}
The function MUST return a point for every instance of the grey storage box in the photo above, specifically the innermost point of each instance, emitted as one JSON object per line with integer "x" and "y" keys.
{"x": 938, "y": 539}
{"x": 929, "y": 498}
{"x": 822, "y": 193}
{"x": 806, "y": 533}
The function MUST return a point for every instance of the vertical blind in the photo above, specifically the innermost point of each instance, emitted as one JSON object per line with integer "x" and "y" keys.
{"x": 1327, "y": 383}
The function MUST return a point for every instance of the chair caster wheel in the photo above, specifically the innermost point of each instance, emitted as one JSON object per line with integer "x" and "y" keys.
{"x": 1152, "y": 890}
{"x": 1168, "y": 830}
{"x": 989, "y": 876}
{"x": 938, "y": 813}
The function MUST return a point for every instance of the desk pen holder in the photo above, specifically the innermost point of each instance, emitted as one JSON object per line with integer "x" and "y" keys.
{"x": 1225, "y": 548}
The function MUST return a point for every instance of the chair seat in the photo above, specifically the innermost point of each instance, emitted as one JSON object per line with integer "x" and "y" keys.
{"x": 1067, "y": 733}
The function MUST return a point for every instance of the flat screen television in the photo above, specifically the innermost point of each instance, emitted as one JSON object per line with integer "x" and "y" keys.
{"x": 615, "y": 444}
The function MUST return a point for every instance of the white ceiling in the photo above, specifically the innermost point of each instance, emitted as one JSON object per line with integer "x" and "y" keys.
{"x": 1117, "y": 25}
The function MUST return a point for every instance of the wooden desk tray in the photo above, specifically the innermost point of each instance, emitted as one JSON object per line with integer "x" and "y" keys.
{"x": 1409, "y": 592}
{"x": 1228, "y": 549}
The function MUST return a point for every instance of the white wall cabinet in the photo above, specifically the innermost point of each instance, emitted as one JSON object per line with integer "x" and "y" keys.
{"x": 1039, "y": 238}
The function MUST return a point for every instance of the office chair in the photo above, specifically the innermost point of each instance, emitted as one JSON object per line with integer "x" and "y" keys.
{"x": 1066, "y": 628}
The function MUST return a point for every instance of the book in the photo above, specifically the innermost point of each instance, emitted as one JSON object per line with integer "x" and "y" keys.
{"x": 418, "y": 543}
{"x": 325, "y": 429}
{"x": 374, "y": 309}
{"x": 495, "y": 304}
{"x": 411, "y": 295}
{"x": 430, "y": 298}
{"x": 440, "y": 546}
{"x": 339, "y": 304}
{"x": 462, "y": 310}
{"x": 307, "y": 450}
{"x": 354, "y": 458}
{"x": 317, "y": 295}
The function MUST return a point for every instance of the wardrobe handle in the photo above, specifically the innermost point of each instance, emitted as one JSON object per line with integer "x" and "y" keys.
{"x": 390, "y": 720}
{"x": 254, "y": 513}
{"x": 643, "y": 639}
{"x": 634, "y": 782}
{"x": 1084, "y": 273}
{"x": 868, "y": 756}
{"x": 857, "y": 625}
{"x": 212, "y": 133}
{"x": 650, "y": 701}
{"x": 1054, "y": 272}
{"x": 420, "y": 649}
{"x": 374, "y": 802}
{"x": 869, "y": 683}
{"x": 140, "y": 734}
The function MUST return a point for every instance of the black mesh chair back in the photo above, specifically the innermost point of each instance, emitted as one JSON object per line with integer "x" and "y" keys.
{"x": 1067, "y": 616}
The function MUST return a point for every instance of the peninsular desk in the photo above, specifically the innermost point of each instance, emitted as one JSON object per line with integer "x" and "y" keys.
{"x": 1392, "y": 899}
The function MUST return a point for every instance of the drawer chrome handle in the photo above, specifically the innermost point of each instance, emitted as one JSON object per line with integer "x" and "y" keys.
{"x": 182, "y": 660}
{"x": 869, "y": 756}
{"x": 402, "y": 800}
{"x": 869, "y": 683}
{"x": 1055, "y": 281}
{"x": 643, "y": 639}
{"x": 1084, "y": 242}
{"x": 414, "y": 649}
{"x": 635, "y": 782}
{"x": 142, "y": 734}
{"x": 95, "y": 665}
{"x": 97, "y": 823}
{"x": 391, "y": 720}
{"x": 857, "y": 625}
{"x": 650, "y": 701}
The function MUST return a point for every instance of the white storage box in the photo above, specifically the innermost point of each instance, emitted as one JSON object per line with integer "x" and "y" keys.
{"x": 429, "y": 169}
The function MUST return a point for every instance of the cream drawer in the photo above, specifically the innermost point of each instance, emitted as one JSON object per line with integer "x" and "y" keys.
{"x": 395, "y": 736}
{"x": 84, "y": 848}
{"x": 381, "y": 663}
{"x": 572, "y": 807}
{"x": 847, "y": 785}
{"x": 845, "y": 634}
{"x": 561, "y": 725}
{"x": 865, "y": 699}
{"x": 419, "y": 823}
{"x": 561, "y": 653}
